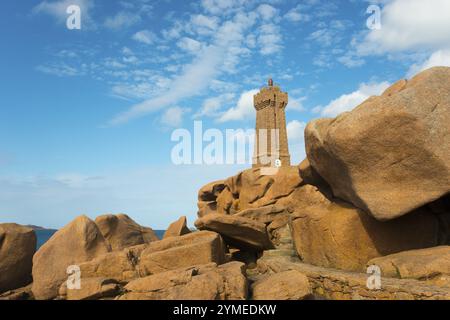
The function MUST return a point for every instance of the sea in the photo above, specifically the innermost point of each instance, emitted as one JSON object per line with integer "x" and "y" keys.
{"x": 44, "y": 234}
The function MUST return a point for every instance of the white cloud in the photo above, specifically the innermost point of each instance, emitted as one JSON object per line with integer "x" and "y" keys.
{"x": 62, "y": 70}
{"x": 438, "y": 58}
{"x": 122, "y": 19}
{"x": 220, "y": 56}
{"x": 296, "y": 104}
{"x": 269, "y": 39}
{"x": 296, "y": 130}
{"x": 189, "y": 45}
{"x": 295, "y": 15}
{"x": 145, "y": 36}
{"x": 211, "y": 106}
{"x": 220, "y": 7}
{"x": 204, "y": 25}
{"x": 350, "y": 60}
{"x": 296, "y": 138}
{"x": 410, "y": 25}
{"x": 173, "y": 117}
{"x": 349, "y": 101}
{"x": 243, "y": 110}
{"x": 267, "y": 12}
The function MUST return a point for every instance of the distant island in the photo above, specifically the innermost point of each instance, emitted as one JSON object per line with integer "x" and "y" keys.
{"x": 39, "y": 228}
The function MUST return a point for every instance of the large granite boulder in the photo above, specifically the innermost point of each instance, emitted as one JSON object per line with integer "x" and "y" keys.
{"x": 239, "y": 232}
{"x": 121, "y": 231}
{"x": 286, "y": 285}
{"x": 431, "y": 265}
{"x": 204, "y": 282}
{"x": 77, "y": 242}
{"x": 17, "y": 247}
{"x": 122, "y": 265}
{"x": 391, "y": 154}
{"x": 338, "y": 235}
{"x": 177, "y": 228}
{"x": 192, "y": 249}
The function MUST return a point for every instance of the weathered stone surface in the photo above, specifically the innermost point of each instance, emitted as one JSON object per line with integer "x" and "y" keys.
{"x": 254, "y": 190}
{"x": 286, "y": 285}
{"x": 239, "y": 232}
{"x": 265, "y": 214}
{"x": 226, "y": 203}
{"x": 206, "y": 207}
{"x": 17, "y": 247}
{"x": 177, "y": 228}
{"x": 120, "y": 265}
{"x": 18, "y": 294}
{"x": 178, "y": 252}
{"x": 211, "y": 191}
{"x": 122, "y": 232}
{"x": 149, "y": 235}
{"x": 207, "y": 197}
{"x": 342, "y": 285}
{"x": 77, "y": 242}
{"x": 391, "y": 154}
{"x": 431, "y": 265}
{"x": 91, "y": 289}
{"x": 249, "y": 189}
{"x": 207, "y": 282}
{"x": 337, "y": 235}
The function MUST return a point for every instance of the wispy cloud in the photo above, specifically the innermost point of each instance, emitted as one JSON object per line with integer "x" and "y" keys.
{"x": 145, "y": 36}
{"x": 347, "y": 102}
{"x": 214, "y": 59}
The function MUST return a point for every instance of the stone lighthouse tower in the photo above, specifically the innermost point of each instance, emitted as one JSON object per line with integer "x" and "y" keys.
{"x": 271, "y": 142}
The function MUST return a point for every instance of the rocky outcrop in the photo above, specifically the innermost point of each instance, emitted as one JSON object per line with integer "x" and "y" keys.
{"x": 192, "y": 249}
{"x": 286, "y": 285}
{"x": 205, "y": 282}
{"x": 196, "y": 248}
{"x": 338, "y": 235}
{"x": 239, "y": 232}
{"x": 122, "y": 232}
{"x": 177, "y": 228}
{"x": 390, "y": 155}
{"x": 17, "y": 247}
{"x": 343, "y": 285}
{"x": 431, "y": 265}
{"x": 248, "y": 189}
{"x": 79, "y": 241}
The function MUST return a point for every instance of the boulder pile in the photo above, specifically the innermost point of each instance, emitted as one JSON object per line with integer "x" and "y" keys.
{"x": 372, "y": 194}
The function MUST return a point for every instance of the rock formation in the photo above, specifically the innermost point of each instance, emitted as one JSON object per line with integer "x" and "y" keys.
{"x": 79, "y": 241}
{"x": 391, "y": 154}
{"x": 373, "y": 192}
{"x": 121, "y": 231}
{"x": 177, "y": 228}
{"x": 17, "y": 247}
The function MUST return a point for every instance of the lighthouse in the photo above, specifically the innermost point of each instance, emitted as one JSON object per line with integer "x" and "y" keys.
{"x": 271, "y": 141}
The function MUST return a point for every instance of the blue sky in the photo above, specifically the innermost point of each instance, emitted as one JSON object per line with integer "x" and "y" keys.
{"x": 86, "y": 116}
